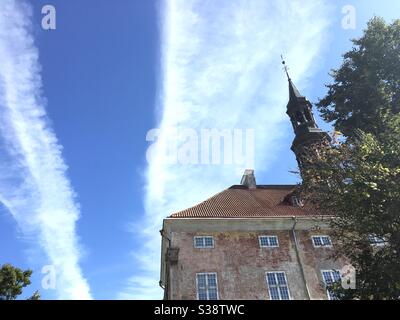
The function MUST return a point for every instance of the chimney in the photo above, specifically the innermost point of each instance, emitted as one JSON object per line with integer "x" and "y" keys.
{"x": 248, "y": 179}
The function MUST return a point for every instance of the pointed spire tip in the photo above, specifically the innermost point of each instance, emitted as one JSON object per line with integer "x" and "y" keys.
{"x": 285, "y": 68}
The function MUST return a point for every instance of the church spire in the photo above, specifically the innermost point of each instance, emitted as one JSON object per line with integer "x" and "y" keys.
{"x": 294, "y": 93}
{"x": 285, "y": 68}
{"x": 308, "y": 137}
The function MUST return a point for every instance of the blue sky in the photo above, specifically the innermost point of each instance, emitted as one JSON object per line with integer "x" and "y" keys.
{"x": 86, "y": 94}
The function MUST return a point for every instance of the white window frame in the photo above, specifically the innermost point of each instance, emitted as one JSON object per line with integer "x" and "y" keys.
{"x": 279, "y": 293}
{"x": 296, "y": 201}
{"x": 323, "y": 245}
{"x": 204, "y": 246}
{"x": 207, "y": 292}
{"x": 331, "y": 271}
{"x": 268, "y": 246}
{"x": 376, "y": 241}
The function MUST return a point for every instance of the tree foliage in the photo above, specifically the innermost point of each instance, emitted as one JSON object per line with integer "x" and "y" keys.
{"x": 35, "y": 296}
{"x": 357, "y": 180}
{"x": 366, "y": 88}
{"x": 12, "y": 282}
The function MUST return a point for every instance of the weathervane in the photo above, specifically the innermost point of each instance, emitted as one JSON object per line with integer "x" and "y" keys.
{"x": 285, "y": 67}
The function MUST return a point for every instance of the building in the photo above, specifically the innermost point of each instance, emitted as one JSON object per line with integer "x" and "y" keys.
{"x": 253, "y": 241}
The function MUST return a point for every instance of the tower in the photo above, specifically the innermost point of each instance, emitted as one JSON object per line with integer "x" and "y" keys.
{"x": 308, "y": 137}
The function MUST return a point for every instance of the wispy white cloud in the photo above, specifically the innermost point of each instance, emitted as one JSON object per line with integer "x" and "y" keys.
{"x": 33, "y": 180}
{"x": 221, "y": 69}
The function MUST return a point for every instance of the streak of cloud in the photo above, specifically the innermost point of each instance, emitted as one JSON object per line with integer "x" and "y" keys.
{"x": 221, "y": 69}
{"x": 33, "y": 175}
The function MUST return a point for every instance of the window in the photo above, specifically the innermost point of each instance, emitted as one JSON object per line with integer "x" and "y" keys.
{"x": 376, "y": 241}
{"x": 296, "y": 201}
{"x": 329, "y": 277}
{"x": 204, "y": 242}
{"x": 207, "y": 287}
{"x": 268, "y": 241}
{"x": 299, "y": 117}
{"x": 322, "y": 241}
{"x": 277, "y": 286}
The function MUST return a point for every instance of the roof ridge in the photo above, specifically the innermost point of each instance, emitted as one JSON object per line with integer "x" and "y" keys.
{"x": 264, "y": 186}
{"x": 240, "y": 201}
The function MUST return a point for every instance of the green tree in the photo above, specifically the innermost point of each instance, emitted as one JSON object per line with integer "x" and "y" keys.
{"x": 358, "y": 179}
{"x": 12, "y": 281}
{"x": 366, "y": 88}
{"x": 35, "y": 296}
{"x": 358, "y": 182}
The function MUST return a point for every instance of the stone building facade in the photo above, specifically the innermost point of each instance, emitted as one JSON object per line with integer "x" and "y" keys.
{"x": 253, "y": 241}
{"x": 239, "y": 251}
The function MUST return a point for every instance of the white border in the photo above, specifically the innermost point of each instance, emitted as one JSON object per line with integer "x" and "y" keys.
{"x": 381, "y": 243}
{"x": 323, "y": 280}
{"x": 287, "y": 284}
{"x": 321, "y": 246}
{"x": 197, "y": 285}
{"x": 203, "y": 247}
{"x": 261, "y": 246}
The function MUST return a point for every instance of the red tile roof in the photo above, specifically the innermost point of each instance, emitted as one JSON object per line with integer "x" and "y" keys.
{"x": 240, "y": 202}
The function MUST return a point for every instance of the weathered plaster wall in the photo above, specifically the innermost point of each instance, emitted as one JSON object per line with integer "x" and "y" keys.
{"x": 241, "y": 264}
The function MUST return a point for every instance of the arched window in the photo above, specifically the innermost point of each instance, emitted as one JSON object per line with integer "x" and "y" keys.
{"x": 308, "y": 114}
{"x": 299, "y": 117}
